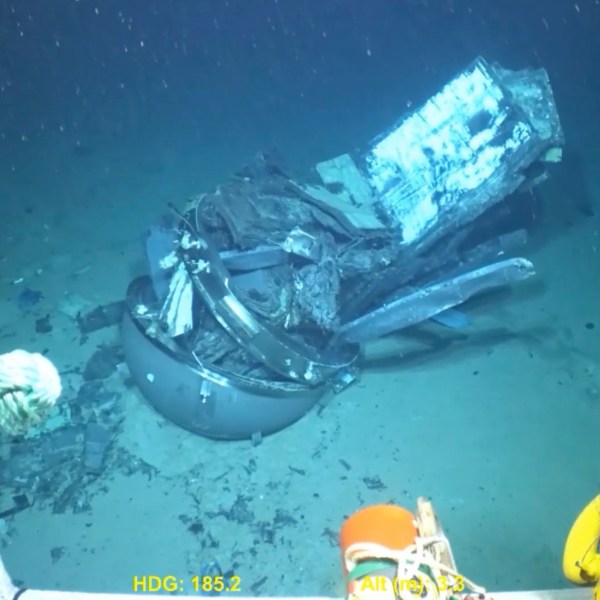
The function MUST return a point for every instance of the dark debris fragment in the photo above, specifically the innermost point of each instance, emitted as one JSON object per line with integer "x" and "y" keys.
{"x": 374, "y": 483}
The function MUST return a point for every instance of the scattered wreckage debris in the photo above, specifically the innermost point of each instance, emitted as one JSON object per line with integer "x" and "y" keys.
{"x": 54, "y": 463}
{"x": 105, "y": 315}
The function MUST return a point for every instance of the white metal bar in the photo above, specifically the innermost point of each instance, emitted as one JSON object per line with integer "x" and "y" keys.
{"x": 575, "y": 594}
{"x": 8, "y": 591}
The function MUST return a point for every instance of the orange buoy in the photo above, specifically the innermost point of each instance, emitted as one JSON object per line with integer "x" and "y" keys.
{"x": 383, "y": 524}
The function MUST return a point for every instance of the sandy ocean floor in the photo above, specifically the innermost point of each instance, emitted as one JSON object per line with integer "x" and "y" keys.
{"x": 498, "y": 423}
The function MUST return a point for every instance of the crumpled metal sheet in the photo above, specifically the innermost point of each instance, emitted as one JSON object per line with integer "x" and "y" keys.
{"x": 464, "y": 150}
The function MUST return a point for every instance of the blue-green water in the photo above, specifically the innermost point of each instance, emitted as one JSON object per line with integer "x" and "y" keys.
{"x": 110, "y": 110}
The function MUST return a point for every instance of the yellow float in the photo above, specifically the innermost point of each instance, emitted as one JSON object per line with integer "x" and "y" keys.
{"x": 581, "y": 560}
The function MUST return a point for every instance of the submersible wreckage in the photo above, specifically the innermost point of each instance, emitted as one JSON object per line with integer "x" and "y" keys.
{"x": 259, "y": 297}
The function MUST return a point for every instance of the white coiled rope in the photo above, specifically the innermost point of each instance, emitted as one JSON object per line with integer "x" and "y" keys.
{"x": 410, "y": 564}
{"x": 29, "y": 387}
